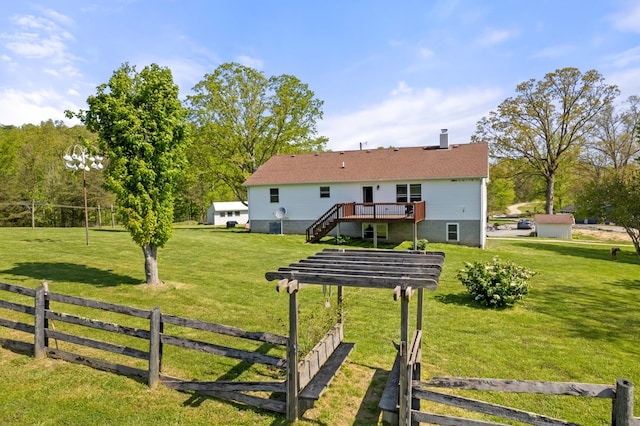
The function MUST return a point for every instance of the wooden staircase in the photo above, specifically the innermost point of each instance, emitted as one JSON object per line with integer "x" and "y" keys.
{"x": 324, "y": 224}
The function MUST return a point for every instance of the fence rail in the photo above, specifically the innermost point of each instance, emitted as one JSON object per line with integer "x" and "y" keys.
{"x": 621, "y": 393}
{"x": 44, "y": 317}
{"x": 316, "y": 370}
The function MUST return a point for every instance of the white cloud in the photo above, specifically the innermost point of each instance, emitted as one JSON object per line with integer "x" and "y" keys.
{"x": 627, "y": 20}
{"x": 59, "y": 17}
{"x": 492, "y": 37}
{"x": 628, "y": 81}
{"x": 625, "y": 58}
{"x": 554, "y": 51}
{"x": 39, "y": 38}
{"x": 248, "y": 61}
{"x": 411, "y": 117}
{"x": 425, "y": 53}
{"x": 402, "y": 89}
{"x": 20, "y": 107}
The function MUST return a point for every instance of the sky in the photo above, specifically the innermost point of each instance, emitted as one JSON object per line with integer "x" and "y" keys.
{"x": 390, "y": 73}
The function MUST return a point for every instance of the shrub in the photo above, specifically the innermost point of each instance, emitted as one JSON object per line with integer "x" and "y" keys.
{"x": 343, "y": 239}
{"x": 420, "y": 244}
{"x": 497, "y": 283}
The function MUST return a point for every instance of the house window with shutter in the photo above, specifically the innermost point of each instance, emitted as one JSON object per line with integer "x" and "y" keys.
{"x": 274, "y": 195}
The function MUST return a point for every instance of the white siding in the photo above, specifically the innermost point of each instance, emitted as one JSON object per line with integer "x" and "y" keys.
{"x": 217, "y": 209}
{"x": 548, "y": 230}
{"x": 453, "y": 200}
{"x": 445, "y": 199}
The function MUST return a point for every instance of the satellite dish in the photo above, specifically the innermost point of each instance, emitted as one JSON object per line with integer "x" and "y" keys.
{"x": 280, "y": 213}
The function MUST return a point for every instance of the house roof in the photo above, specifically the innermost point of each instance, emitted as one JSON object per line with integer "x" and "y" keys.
{"x": 554, "y": 219}
{"x": 431, "y": 162}
{"x": 223, "y": 206}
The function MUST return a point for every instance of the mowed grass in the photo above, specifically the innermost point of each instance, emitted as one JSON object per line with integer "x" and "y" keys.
{"x": 579, "y": 323}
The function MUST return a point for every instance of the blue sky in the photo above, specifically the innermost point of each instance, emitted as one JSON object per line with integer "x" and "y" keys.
{"x": 390, "y": 73}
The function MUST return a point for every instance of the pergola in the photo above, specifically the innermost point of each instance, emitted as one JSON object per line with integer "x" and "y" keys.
{"x": 405, "y": 273}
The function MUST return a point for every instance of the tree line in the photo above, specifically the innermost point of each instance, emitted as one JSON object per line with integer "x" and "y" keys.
{"x": 563, "y": 136}
{"x": 567, "y": 140}
{"x": 236, "y": 119}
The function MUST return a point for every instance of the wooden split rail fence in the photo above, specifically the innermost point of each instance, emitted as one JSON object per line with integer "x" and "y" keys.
{"x": 621, "y": 394}
{"x": 312, "y": 374}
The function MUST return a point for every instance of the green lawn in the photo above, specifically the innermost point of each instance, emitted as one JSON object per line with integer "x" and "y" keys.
{"x": 579, "y": 323}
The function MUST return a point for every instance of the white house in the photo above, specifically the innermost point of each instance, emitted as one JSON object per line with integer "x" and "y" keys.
{"x": 439, "y": 192}
{"x": 219, "y": 213}
{"x": 554, "y": 225}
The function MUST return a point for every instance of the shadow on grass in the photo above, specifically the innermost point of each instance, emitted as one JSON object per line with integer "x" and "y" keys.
{"x": 605, "y": 313}
{"x": 369, "y": 411}
{"x": 588, "y": 252}
{"x": 464, "y": 299}
{"x": 71, "y": 272}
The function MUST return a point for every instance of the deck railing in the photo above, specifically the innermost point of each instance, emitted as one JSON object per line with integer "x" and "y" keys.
{"x": 413, "y": 212}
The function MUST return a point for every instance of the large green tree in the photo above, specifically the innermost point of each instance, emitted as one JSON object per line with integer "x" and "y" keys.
{"x": 613, "y": 142}
{"x": 243, "y": 118}
{"x": 616, "y": 198}
{"x": 142, "y": 129}
{"x": 546, "y": 121}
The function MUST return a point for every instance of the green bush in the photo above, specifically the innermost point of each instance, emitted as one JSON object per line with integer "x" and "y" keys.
{"x": 421, "y": 244}
{"x": 497, "y": 283}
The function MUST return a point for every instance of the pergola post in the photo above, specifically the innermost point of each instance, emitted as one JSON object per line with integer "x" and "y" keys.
{"x": 405, "y": 368}
{"x": 293, "y": 406}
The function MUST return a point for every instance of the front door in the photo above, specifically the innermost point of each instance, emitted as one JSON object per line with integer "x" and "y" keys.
{"x": 367, "y": 194}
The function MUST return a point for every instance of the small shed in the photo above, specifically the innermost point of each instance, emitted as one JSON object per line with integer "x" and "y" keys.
{"x": 219, "y": 213}
{"x": 554, "y": 225}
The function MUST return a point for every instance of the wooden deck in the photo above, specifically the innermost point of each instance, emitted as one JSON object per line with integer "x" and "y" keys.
{"x": 412, "y": 212}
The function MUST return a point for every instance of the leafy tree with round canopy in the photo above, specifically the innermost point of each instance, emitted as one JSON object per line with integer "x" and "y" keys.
{"x": 616, "y": 198}
{"x": 243, "y": 118}
{"x": 142, "y": 129}
{"x": 547, "y": 121}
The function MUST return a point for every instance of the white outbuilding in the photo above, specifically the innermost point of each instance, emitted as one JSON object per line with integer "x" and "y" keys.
{"x": 554, "y": 225}
{"x": 219, "y": 213}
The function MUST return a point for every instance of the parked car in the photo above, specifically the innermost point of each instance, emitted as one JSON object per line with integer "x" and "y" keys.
{"x": 525, "y": 224}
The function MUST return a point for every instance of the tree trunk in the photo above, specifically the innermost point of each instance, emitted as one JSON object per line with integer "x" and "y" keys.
{"x": 549, "y": 194}
{"x": 151, "y": 264}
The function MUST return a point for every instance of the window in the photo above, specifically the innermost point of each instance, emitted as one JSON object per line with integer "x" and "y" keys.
{"x": 415, "y": 192}
{"x": 274, "y": 195}
{"x": 401, "y": 193}
{"x": 237, "y": 213}
{"x": 325, "y": 192}
{"x": 412, "y": 192}
{"x": 452, "y": 232}
{"x": 222, "y": 214}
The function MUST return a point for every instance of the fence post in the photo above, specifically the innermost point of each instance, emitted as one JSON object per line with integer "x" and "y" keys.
{"x": 623, "y": 404}
{"x": 292, "y": 359}
{"x": 154, "y": 347}
{"x": 39, "y": 323}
